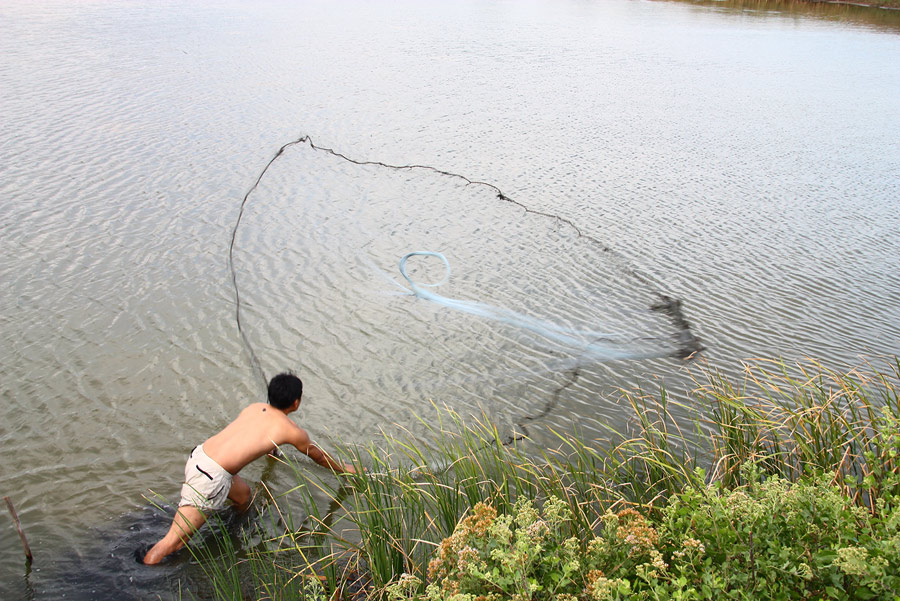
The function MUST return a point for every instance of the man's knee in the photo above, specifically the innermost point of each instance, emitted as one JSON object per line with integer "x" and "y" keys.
{"x": 242, "y": 498}
{"x": 240, "y": 493}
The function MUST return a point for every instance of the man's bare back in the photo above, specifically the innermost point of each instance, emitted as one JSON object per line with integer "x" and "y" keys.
{"x": 211, "y": 471}
{"x": 256, "y": 431}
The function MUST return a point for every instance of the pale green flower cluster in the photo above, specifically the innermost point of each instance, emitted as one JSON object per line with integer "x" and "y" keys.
{"x": 853, "y": 560}
{"x": 769, "y": 537}
{"x": 524, "y": 555}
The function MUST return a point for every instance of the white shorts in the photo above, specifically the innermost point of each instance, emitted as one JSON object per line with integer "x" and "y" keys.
{"x": 206, "y": 483}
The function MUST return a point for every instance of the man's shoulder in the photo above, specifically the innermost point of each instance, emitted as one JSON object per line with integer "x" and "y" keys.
{"x": 292, "y": 433}
{"x": 253, "y": 408}
{"x": 291, "y": 426}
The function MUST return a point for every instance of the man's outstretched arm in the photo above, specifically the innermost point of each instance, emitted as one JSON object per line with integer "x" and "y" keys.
{"x": 303, "y": 443}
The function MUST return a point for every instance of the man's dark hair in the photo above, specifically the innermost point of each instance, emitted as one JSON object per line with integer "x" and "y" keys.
{"x": 284, "y": 389}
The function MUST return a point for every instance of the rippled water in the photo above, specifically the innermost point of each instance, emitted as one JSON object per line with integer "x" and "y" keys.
{"x": 741, "y": 157}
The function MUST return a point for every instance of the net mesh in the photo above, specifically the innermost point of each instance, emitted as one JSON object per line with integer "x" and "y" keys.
{"x": 332, "y": 258}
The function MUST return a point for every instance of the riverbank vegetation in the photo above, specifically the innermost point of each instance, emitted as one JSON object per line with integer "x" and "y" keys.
{"x": 782, "y": 485}
{"x": 794, "y": 4}
{"x": 872, "y": 3}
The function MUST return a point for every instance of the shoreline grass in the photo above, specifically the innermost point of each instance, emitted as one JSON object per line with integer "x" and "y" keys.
{"x": 801, "y": 426}
{"x": 883, "y": 4}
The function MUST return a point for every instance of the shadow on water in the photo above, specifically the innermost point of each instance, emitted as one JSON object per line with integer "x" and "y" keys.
{"x": 107, "y": 565}
{"x": 869, "y": 16}
{"x": 104, "y": 565}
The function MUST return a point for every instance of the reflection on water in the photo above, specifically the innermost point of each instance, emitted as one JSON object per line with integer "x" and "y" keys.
{"x": 839, "y": 12}
{"x": 741, "y": 159}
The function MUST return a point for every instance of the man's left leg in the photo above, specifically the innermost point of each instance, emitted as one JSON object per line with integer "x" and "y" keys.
{"x": 187, "y": 520}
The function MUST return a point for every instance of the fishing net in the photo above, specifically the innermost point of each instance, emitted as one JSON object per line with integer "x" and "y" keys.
{"x": 397, "y": 285}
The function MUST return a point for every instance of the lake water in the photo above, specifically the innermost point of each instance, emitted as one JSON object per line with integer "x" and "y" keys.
{"x": 743, "y": 158}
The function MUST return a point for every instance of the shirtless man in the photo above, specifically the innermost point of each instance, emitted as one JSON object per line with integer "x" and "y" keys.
{"x": 211, "y": 471}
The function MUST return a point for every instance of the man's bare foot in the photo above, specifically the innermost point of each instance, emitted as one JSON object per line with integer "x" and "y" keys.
{"x": 141, "y": 552}
{"x": 152, "y": 557}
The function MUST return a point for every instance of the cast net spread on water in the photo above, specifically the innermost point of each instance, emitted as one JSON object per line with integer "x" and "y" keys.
{"x": 395, "y": 285}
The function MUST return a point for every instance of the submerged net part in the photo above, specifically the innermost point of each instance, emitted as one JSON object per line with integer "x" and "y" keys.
{"x": 533, "y": 297}
{"x": 592, "y": 344}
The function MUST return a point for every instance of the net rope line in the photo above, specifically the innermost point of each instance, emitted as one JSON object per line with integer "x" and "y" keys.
{"x": 254, "y": 360}
{"x": 688, "y": 345}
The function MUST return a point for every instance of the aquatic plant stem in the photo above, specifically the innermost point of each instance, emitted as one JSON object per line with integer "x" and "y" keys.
{"x": 12, "y": 511}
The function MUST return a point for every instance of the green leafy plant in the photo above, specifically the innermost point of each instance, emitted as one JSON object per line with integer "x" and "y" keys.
{"x": 528, "y": 554}
{"x": 780, "y": 540}
{"x": 768, "y": 539}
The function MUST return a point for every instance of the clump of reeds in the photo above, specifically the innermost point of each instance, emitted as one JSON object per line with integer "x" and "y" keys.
{"x": 787, "y": 422}
{"x": 809, "y": 419}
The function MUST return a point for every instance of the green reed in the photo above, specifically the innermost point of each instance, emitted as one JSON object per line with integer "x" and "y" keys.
{"x": 787, "y": 421}
{"x": 806, "y": 419}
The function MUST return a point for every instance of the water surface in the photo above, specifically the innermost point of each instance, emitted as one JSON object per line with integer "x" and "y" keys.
{"x": 739, "y": 157}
